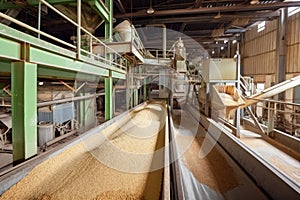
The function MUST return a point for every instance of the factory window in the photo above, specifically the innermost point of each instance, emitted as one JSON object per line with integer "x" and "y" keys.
{"x": 293, "y": 10}
{"x": 261, "y": 26}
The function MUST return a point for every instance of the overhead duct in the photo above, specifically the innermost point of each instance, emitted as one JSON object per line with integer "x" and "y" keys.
{"x": 164, "y": 37}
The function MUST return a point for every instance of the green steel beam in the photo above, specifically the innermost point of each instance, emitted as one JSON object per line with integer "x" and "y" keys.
{"x": 118, "y": 75}
{"x": 19, "y": 37}
{"x": 48, "y": 72}
{"x": 100, "y": 8}
{"x": 108, "y": 23}
{"x": 11, "y": 45}
{"x": 10, "y": 49}
{"x": 5, "y": 66}
{"x": 24, "y": 110}
{"x": 54, "y": 60}
{"x": 108, "y": 98}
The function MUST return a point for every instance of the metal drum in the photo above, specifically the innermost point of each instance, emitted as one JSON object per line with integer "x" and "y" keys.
{"x": 45, "y": 133}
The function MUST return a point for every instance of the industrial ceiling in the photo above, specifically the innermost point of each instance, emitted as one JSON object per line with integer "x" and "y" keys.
{"x": 206, "y": 21}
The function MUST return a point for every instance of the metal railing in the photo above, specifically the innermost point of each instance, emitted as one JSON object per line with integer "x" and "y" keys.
{"x": 113, "y": 59}
{"x": 284, "y": 116}
{"x": 136, "y": 41}
{"x": 247, "y": 85}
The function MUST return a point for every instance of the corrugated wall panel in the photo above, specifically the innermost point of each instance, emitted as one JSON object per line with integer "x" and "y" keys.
{"x": 259, "y": 50}
{"x": 293, "y": 49}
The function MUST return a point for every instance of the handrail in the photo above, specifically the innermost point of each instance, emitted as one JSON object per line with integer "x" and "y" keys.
{"x": 91, "y": 36}
{"x": 286, "y": 108}
{"x": 275, "y": 101}
{"x": 136, "y": 41}
{"x": 83, "y": 29}
{"x": 35, "y": 30}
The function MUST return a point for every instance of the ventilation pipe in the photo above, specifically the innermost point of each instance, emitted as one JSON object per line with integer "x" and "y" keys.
{"x": 164, "y": 37}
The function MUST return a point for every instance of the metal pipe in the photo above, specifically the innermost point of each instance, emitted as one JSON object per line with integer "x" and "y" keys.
{"x": 164, "y": 41}
{"x": 48, "y": 103}
{"x": 271, "y": 91}
{"x": 164, "y": 37}
{"x": 275, "y": 101}
{"x": 39, "y": 18}
{"x": 262, "y": 131}
{"x": 78, "y": 28}
{"x": 281, "y": 49}
{"x": 61, "y": 137}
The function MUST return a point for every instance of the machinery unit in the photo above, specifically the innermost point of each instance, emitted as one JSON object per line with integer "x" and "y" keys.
{"x": 59, "y": 115}
{"x": 46, "y": 133}
{"x": 219, "y": 69}
{"x": 219, "y": 79}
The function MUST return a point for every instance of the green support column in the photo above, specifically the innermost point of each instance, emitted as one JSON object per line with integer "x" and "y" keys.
{"x": 24, "y": 110}
{"x": 109, "y": 24}
{"x": 108, "y": 98}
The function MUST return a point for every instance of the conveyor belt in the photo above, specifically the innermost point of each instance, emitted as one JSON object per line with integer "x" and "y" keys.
{"x": 281, "y": 157}
{"x": 207, "y": 171}
{"x": 116, "y": 163}
{"x": 275, "y": 183}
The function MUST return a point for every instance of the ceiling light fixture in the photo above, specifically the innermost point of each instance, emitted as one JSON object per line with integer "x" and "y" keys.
{"x": 254, "y": 2}
{"x": 150, "y": 9}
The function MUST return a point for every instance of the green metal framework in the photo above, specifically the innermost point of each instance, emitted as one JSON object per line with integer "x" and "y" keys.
{"x": 25, "y": 58}
{"x": 24, "y": 112}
